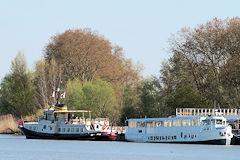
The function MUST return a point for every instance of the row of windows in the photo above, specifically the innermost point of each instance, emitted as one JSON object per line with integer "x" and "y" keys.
{"x": 153, "y": 138}
{"x": 70, "y": 129}
{"x": 156, "y": 138}
{"x": 165, "y": 123}
{"x": 33, "y": 128}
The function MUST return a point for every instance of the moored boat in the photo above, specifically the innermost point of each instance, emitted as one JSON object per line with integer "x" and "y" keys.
{"x": 194, "y": 129}
{"x": 63, "y": 124}
{"x": 58, "y": 122}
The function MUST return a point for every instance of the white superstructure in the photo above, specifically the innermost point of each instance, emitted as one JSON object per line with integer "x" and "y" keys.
{"x": 194, "y": 129}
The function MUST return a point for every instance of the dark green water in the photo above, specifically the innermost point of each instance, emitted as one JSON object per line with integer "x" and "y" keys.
{"x": 19, "y": 148}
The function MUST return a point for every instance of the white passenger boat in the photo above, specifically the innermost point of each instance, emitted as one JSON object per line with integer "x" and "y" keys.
{"x": 60, "y": 123}
{"x": 195, "y": 129}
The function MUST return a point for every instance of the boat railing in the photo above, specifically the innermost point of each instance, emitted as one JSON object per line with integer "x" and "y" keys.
{"x": 206, "y": 111}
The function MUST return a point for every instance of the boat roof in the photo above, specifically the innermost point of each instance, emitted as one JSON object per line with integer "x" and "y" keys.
{"x": 176, "y": 118}
{"x": 73, "y": 111}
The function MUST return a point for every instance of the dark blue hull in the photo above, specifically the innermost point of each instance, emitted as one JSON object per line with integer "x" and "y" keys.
{"x": 38, "y": 135}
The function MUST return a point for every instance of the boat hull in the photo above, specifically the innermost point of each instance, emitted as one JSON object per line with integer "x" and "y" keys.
{"x": 37, "y": 135}
{"x": 106, "y": 137}
{"x": 213, "y": 142}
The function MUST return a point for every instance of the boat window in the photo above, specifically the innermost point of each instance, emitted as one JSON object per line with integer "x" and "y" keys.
{"x": 168, "y": 123}
{"x": 219, "y": 121}
{"x": 195, "y": 122}
{"x": 72, "y": 129}
{"x": 224, "y": 123}
{"x": 44, "y": 127}
{"x": 176, "y": 123}
{"x": 77, "y": 130}
{"x": 150, "y": 124}
{"x": 59, "y": 129}
{"x": 64, "y": 129}
{"x": 159, "y": 123}
{"x": 141, "y": 124}
{"x": 186, "y": 122}
{"x": 68, "y": 130}
{"x": 81, "y": 129}
{"x": 132, "y": 124}
{"x": 206, "y": 122}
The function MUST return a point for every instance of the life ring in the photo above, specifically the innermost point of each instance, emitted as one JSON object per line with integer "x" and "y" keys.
{"x": 66, "y": 121}
{"x": 105, "y": 122}
{"x": 104, "y": 127}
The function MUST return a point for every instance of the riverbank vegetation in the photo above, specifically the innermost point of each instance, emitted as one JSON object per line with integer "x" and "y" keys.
{"x": 203, "y": 71}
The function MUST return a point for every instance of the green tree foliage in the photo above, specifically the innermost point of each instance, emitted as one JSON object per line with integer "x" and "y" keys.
{"x": 75, "y": 95}
{"x": 129, "y": 104}
{"x": 151, "y": 103}
{"x": 185, "y": 97}
{"x": 17, "y": 90}
{"x": 97, "y": 96}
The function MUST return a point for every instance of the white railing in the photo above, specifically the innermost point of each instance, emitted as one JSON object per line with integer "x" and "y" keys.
{"x": 206, "y": 111}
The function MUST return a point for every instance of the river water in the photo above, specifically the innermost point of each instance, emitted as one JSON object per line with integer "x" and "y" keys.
{"x": 20, "y": 148}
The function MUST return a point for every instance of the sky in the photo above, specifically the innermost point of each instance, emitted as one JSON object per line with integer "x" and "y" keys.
{"x": 141, "y": 27}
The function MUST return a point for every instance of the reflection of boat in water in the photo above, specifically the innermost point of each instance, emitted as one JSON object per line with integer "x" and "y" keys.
{"x": 58, "y": 123}
{"x": 197, "y": 129}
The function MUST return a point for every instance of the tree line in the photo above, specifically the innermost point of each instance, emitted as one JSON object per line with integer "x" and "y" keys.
{"x": 203, "y": 71}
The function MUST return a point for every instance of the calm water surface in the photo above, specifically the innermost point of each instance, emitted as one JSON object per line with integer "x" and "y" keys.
{"x": 19, "y": 148}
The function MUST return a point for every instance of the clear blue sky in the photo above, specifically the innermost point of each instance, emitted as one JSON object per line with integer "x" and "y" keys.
{"x": 141, "y": 27}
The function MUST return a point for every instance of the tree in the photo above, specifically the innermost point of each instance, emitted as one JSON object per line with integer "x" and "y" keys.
{"x": 151, "y": 103}
{"x": 86, "y": 55}
{"x": 185, "y": 97}
{"x": 17, "y": 89}
{"x": 199, "y": 55}
{"x": 129, "y": 107}
{"x": 97, "y": 96}
{"x": 75, "y": 95}
{"x": 47, "y": 78}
